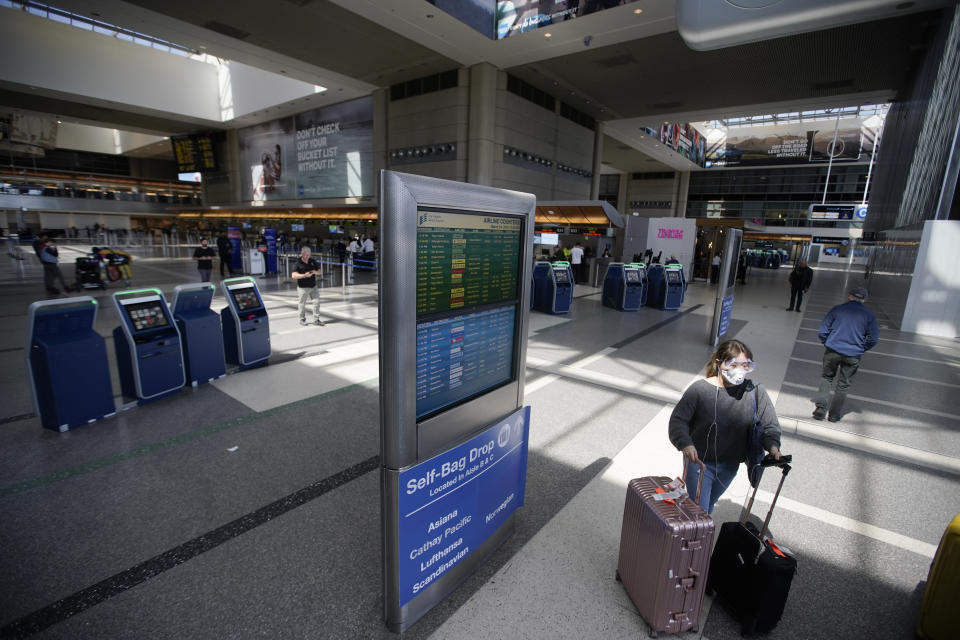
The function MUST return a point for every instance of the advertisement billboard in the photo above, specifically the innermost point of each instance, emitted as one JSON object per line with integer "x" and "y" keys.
{"x": 323, "y": 153}
{"x": 506, "y": 18}
{"x": 685, "y": 139}
{"x": 800, "y": 143}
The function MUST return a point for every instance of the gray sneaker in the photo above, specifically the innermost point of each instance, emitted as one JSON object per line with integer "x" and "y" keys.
{"x": 319, "y": 322}
{"x": 303, "y": 322}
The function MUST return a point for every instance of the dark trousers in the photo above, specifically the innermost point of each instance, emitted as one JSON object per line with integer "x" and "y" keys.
{"x": 205, "y": 274}
{"x": 842, "y": 368}
{"x": 51, "y": 274}
{"x": 796, "y": 293}
{"x": 224, "y": 264}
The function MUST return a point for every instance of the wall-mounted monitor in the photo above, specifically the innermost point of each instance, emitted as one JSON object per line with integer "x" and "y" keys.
{"x": 551, "y": 239}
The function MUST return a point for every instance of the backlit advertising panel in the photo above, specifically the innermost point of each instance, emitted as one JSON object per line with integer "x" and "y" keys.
{"x": 801, "y": 143}
{"x": 324, "y": 153}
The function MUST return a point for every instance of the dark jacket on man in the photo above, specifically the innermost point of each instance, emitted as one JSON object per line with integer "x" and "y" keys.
{"x": 801, "y": 277}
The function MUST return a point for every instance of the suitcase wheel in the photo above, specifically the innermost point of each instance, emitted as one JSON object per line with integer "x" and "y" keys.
{"x": 618, "y": 576}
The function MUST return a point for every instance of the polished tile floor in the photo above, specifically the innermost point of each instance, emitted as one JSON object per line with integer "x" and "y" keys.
{"x": 249, "y": 507}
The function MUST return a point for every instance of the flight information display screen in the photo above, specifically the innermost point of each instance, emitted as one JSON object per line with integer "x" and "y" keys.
{"x": 466, "y": 260}
{"x": 468, "y": 277}
{"x": 146, "y": 315}
{"x": 633, "y": 276}
{"x": 461, "y": 356}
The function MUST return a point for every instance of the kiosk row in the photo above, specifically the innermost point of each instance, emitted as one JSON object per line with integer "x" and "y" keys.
{"x": 158, "y": 351}
{"x": 627, "y": 287}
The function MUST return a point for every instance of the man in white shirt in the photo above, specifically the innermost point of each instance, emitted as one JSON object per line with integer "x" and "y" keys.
{"x": 576, "y": 259}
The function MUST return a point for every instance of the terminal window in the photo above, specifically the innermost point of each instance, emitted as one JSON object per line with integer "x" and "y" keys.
{"x": 468, "y": 267}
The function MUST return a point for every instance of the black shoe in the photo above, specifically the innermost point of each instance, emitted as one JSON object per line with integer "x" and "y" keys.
{"x": 819, "y": 413}
{"x": 833, "y": 418}
{"x": 798, "y": 309}
{"x": 789, "y": 308}
{"x": 319, "y": 322}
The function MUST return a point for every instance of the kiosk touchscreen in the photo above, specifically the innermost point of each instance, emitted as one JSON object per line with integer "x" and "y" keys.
{"x": 148, "y": 346}
{"x": 246, "y": 327}
{"x": 201, "y": 332}
{"x": 454, "y": 430}
{"x": 67, "y": 363}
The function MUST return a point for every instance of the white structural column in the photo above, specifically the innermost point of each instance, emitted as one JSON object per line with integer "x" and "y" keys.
{"x": 597, "y": 161}
{"x": 933, "y": 304}
{"x": 481, "y": 145}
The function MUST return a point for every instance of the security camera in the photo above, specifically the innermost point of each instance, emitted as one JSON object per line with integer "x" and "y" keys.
{"x": 587, "y": 40}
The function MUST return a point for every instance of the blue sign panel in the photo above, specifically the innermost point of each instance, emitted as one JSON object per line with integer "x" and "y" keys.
{"x": 236, "y": 249}
{"x": 271, "y": 237}
{"x": 726, "y": 308}
{"x": 461, "y": 356}
{"x": 450, "y": 504}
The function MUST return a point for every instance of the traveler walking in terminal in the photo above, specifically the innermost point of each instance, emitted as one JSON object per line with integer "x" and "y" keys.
{"x": 712, "y": 420}
{"x": 50, "y": 258}
{"x": 305, "y": 273}
{"x": 204, "y": 257}
{"x": 576, "y": 259}
{"x": 715, "y": 269}
{"x": 742, "y": 267}
{"x": 801, "y": 277}
{"x": 847, "y": 331}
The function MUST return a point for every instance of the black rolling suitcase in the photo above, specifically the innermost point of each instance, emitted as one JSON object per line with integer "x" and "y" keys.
{"x": 749, "y": 573}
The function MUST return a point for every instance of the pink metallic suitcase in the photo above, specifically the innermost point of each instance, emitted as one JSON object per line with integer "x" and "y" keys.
{"x": 665, "y": 547}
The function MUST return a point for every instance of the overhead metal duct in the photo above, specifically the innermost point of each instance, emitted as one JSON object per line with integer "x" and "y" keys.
{"x": 714, "y": 24}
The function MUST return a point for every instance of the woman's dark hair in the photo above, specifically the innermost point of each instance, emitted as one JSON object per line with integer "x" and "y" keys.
{"x": 727, "y": 350}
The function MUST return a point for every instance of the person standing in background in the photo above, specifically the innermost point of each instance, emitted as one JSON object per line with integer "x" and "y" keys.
{"x": 50, "y": 258}
{"x": 576, "y": 259}
{"x": 715, "y": 269}
{"x": 204, "y": 256}
{"x": 224, "y": 249}
{"x": 847, "y": 332}
{"x": 305, "y": 273}
{"x": 800, "y": 280}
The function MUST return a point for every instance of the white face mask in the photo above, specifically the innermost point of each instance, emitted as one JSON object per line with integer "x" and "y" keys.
{"x": 734, "y": 376}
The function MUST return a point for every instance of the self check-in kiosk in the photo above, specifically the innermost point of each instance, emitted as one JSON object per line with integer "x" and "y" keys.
{"x": 553, "y": 286}
{"x": 148, "y": 346}
{"x": 667, "y": 286}
{"x": 453, "y": 429}
{"x": 67, "y": 363}
{"x": 624, "y": 286}
{"x": 201, "y": 332}
{"x": 246, "y": 327}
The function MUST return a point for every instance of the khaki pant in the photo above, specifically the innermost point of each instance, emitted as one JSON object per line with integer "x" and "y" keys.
{"x": 304, "y": 293}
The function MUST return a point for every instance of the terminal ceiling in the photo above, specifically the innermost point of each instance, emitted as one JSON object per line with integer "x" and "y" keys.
{"x": 635, "y": 71}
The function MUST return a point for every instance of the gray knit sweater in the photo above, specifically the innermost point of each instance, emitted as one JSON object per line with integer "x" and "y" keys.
{"x": 717, "y": 420}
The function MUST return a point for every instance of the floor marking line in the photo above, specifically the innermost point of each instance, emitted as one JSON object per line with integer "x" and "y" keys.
{"x": 892, "y": 355}
{"x": 886, "y": 403}
{"x": 882, "y": 373}
{"x": 118, "y": 583}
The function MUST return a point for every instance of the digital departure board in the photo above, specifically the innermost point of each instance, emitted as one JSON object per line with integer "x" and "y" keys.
{"x": 462, "y": 355}
{"x": 465, "y": 260}
{"x": 194, "y": 153}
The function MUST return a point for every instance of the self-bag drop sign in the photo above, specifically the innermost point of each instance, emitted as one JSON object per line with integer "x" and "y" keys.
{"x": 450, "y": 504}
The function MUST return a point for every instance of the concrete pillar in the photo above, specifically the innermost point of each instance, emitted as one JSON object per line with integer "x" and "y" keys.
{"x": 597, "y": 161}
{"x": 623, "y": 204}
{"x": 380, "y": 140}
{"x": 482, "y": 121}
{"x": 681, "y": 189}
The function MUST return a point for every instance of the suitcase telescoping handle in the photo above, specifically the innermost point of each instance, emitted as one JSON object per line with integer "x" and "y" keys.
{"x": 703, "y": 470}
{"x": 768, "y": 461}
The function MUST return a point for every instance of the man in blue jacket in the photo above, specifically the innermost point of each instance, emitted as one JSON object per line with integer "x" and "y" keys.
{"x": 848, "y": 330}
